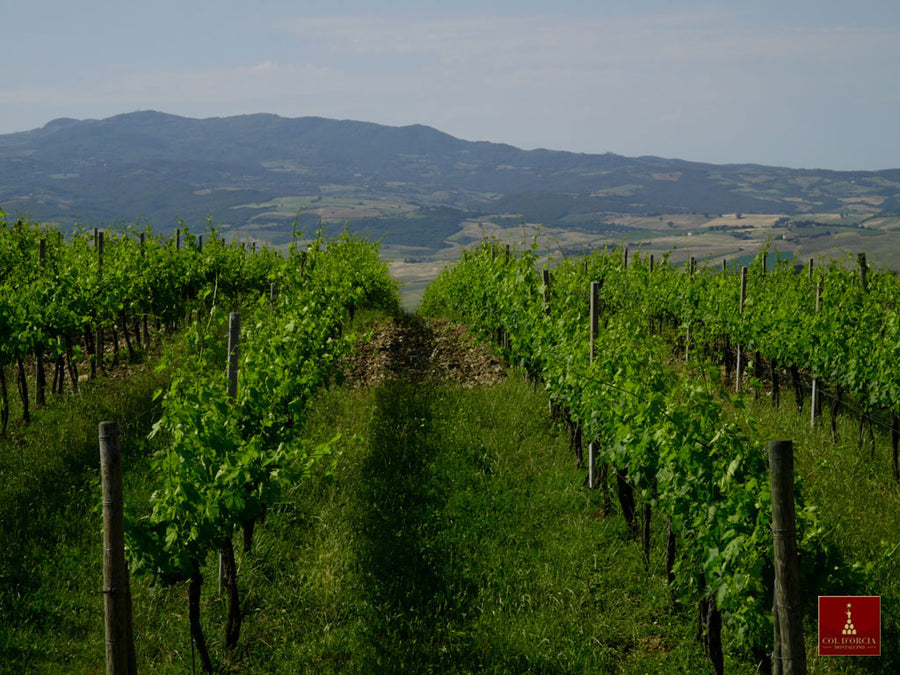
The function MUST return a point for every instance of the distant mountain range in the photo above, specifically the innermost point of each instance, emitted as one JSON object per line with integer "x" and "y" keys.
{"x": 415, "y": 184}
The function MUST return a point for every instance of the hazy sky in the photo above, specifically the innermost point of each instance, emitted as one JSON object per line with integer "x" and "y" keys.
{"x": 799, "y": 83}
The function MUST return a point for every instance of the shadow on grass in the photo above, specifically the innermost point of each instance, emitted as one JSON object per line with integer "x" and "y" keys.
{"x": 49, "y": 516}
{"x": 417, "y": 604}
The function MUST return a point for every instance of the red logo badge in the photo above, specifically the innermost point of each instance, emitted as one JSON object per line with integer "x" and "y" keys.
{"x": 849, "y": 625}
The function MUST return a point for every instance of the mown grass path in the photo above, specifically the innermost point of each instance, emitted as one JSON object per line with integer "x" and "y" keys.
{"x": 449, "y": 532}
{"x": 456, "y": 537}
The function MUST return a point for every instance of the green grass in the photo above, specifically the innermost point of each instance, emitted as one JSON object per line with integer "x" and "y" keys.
{"x": 454, "y": 537}
{"x": 448, "y": 532}
{"x": 858, "y": 503}
{"x": 51, "y": 616}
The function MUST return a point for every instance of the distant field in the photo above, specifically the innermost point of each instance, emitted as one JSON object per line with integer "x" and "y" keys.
{"x": 710, "y": 238}
{"x": 337, "y": 208}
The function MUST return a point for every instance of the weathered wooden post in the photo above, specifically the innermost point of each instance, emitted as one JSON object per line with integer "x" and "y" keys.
{"x": 231, "y": 371}
{"x": 670, "y": 551}
{"x": 595, "y": 327}
{"x": 227, "y": 564}
{"x": 545, "y": 280}
{"x": 863, "y": 272}
{"x": 737, "y": 372}
{"x": 177, "y": 240}
{"x": 120, "y": 657}
{"x": 234, "y": 339}
{"x": 789, "y": 654}
{"x": 692, "y": 265}
{"x": 99, "y": 347}
{"x": 815, "y": 382}
{"x": 40, "y": 376}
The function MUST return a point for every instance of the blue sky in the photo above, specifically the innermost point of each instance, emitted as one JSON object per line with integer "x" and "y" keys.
{"x": 799, "y": 83}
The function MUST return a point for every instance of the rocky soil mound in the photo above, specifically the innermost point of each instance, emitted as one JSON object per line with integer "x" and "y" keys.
{"x": 420, "y": 350}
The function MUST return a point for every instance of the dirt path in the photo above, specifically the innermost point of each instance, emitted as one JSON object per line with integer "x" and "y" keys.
{"x": 422, "y": 350}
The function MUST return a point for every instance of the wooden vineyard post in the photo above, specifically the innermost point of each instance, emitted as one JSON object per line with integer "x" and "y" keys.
{"x": 177, "y": 240}
{"x": 789, "y": 654}
{"x": 863, "y": 272}
{"x": 227, "y": 564}
{"x": 234, "y": 338}
{"x": 120, "y": 657}
{"x": 670, "y": 551}
{"x": 595, "y": 326}
{"x": 40, "y": 376}
{"x": 22, "y": 382}
{"x": 545, "y": 279}
{"x": 231, "y": 371}
{"x": 692, "y": 265}
{"x": 815, "y": 382}
{"x": 737, "y": 372}
{"x": 142, "y": 319}
{"x": 98, "y": 342}
{"x": 865, "y": 414}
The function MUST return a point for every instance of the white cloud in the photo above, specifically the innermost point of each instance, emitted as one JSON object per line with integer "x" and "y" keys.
{"x": 700, "y": 83}
{"x": 690, "y": 36}
{"x": 170, "y": 86}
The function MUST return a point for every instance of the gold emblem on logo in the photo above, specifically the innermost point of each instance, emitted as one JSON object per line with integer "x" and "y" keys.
{"x": 848, "y": 627}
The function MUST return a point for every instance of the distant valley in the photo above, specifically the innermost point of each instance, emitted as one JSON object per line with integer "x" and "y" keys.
{"x": 426, "y": 194}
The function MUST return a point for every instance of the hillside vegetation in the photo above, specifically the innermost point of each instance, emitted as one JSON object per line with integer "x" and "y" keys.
{"x": 426, "y": 193}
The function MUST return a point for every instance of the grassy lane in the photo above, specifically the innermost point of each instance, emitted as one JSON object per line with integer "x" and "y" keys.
{"x": 455, "y": 537}
{"x": 448, "y": 533}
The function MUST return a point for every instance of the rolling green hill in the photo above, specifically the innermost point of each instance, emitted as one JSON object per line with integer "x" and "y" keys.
{"x": 426, "y": 193}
